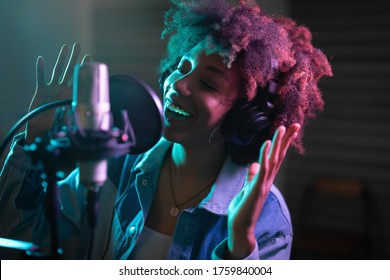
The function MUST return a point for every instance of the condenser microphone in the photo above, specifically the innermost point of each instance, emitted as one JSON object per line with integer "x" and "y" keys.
{"x": 91, "y": 116}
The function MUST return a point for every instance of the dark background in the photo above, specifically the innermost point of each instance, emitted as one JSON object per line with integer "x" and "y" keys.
{"x": 338, "y": 192}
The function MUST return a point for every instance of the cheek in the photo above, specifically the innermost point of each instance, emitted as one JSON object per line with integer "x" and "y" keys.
{"x": 216, "y": 110}
{"x": 166, "y": 85}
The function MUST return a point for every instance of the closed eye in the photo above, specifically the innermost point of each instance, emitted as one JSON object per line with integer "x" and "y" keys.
{"x": 207, "y": 86}
{"x": 184, "y": 67}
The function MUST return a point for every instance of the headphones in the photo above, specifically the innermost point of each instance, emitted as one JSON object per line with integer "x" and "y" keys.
{"x": 248, "y": 123}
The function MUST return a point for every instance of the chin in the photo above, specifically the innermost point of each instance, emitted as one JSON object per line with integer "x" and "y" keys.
{"x": 171, "y": 135}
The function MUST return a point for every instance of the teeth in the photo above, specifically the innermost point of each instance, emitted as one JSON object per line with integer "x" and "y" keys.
{"x": 177, "y": 109}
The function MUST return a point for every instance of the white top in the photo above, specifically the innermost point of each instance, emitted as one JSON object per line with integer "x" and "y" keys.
{"x": 152, "y": 245}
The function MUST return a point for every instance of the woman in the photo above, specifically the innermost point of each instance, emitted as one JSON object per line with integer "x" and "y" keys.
{"x": 233, "y": 77}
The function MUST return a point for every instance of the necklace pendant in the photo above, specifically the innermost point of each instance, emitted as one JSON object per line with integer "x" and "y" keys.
{"x": 175, "y": 211}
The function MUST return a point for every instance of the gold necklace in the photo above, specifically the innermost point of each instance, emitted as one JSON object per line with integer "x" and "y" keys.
{"x": 175, "y": 210}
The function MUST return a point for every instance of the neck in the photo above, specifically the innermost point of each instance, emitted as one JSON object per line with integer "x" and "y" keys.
{"x": 198, "y": 163}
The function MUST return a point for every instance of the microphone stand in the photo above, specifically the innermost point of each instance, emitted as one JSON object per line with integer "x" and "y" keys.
{"x": 48, "y": 155}
{"x": 55, "y": 154}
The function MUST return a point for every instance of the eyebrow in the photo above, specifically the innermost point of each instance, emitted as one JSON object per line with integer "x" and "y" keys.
{"x": 209, "y": 68}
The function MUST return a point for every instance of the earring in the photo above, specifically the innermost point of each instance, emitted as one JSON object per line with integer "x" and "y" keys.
{"x": 212, "y": 135}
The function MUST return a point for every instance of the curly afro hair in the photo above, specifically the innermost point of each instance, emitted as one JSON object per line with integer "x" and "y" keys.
{"x": 243, "y": 34}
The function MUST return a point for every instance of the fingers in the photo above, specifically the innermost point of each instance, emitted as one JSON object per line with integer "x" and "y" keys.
{"x": 76, "y": 50}
{"x": 273, "y": 153}
{"x": 40, "y": 72}
{"x": 60, "y": 64}
{"x": 63, "y": 69}
{"x": 253, "y": 169}
{"x": 263, "y": 167}
{"x": 281, "y": 143}
{"x": 290, "y": 135}
{"x": 276, "y": 143}
{"x": 271, "y": 156}
{"x": 85, "y": 59}
{"x": 264, "y": 152}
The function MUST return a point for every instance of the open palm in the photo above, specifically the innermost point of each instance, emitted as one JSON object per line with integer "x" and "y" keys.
{"x": 59, "y": 88}
{"x": 245, "y": 208}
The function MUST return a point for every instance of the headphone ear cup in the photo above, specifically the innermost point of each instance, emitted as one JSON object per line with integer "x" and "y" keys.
{"x": 245, "y": 124}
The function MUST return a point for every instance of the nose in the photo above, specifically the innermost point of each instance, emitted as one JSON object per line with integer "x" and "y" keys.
{"x": 181, "y": 86}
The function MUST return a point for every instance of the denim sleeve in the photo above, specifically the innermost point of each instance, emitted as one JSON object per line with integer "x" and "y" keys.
{"x": 273, "y": 231}
{"x": 219, "y": 252}
{"x": 278, "y": 248}
{"x": 21, "y": 194}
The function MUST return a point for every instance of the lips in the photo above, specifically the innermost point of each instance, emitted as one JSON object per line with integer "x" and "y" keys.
{"x": 175, "y": 111}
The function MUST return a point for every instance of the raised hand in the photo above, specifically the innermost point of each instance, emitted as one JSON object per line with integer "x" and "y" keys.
{"x": 245, "y": 208}
{"x": 59, "y": 88}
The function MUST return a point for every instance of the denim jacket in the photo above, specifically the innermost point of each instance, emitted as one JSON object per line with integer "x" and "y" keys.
{"x": 200, "y": 233}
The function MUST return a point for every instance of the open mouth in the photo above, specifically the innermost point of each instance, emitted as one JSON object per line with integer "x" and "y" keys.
{"x": 175, "y": 111}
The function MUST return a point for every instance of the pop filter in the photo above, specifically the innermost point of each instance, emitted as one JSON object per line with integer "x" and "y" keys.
{"x": 144, "y": 109}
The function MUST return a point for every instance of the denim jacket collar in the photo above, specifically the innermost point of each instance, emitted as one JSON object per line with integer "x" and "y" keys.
{"x": 228, "y": 183}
